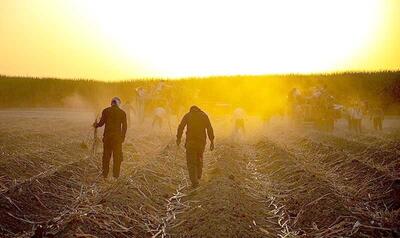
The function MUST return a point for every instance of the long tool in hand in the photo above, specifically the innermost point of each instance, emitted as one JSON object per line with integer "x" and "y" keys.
{"x": 95, "y": 138}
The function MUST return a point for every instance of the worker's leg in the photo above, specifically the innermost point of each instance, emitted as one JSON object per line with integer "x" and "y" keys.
{"x": 349, "y": 124}
{"x": 380, "y": 122}
{"x": 141, "y": 111}
{"x": 243, "y": 128}
{"x": 117, "y": 159}
{"x": 191, "y": 164}
{"x": 107, "y": 150}
{"x": 199, "y": 163}
{"x": 355, "y": 125}
{"x": 352, "y": 124}
{"x": 235, "y": 131}
{"x": 331, "y": 124}
{"x": 160, "y": 123}
{"x": 156, "y": 122}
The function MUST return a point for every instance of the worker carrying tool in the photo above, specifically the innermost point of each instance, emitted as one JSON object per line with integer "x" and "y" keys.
{"x": 115, "y": 123}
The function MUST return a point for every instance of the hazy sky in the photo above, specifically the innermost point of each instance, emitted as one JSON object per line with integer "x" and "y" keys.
{"x": 131, "y": 39}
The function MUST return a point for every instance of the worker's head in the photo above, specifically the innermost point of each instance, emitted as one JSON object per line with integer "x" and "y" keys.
{"x": 194, "y": 108}
{"x": 115, "y": 101}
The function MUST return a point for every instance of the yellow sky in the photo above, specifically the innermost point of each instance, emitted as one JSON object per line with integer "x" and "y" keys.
{"x": 177, "y": 38}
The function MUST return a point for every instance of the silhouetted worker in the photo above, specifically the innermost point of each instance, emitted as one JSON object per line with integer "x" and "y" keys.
{"x": 238, "y": 119}
{"x": 348, "y": 116}
{"x": 377, "y": 116}
{"x": 357, "y": 116}
{"x": 197, "y": 123}
{"x": 141, "y": 96}
{"x": 114, "y": 120}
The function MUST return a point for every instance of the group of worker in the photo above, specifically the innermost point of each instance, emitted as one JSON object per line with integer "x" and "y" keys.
{"x": 314, "y": 106}
{"x": 198, "y": 126}
{"x": 159, "y": 115}
{"x": 355, "y": 115}
{"x": 196, "y": 122}
{"x": 321, "y": 108}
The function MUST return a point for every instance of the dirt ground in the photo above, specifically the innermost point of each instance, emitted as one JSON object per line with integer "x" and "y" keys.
{"x": 277, "y": 181}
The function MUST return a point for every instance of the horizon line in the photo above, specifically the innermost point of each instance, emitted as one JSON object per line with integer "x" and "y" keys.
{"x": 157, "y": 78}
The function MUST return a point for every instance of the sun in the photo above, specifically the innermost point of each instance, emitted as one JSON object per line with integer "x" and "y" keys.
{"x": 184, "y": 38}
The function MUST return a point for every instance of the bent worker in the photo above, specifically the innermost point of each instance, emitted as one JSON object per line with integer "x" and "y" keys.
{"x": 238, "y": 119}
{"x": 115, "y": 123}
{"x": 197, "y": 123}
{"x": 159, "y": 114}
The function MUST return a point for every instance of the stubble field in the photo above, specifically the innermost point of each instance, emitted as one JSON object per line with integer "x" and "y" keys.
{"x": 278, "y": 182}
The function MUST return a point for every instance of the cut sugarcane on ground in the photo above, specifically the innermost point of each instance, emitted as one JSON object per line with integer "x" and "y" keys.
{"x": 279, "y": 182}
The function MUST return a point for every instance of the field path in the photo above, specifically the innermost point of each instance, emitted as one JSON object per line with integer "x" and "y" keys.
{"x": 230, "y": 202}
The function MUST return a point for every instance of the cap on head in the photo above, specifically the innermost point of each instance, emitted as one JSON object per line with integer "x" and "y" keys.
{"x": 116, "y": 101}
{"x": 194, "y": 108}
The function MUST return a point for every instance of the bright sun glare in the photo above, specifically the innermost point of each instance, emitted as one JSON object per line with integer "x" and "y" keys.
{"x": 181, "y": 37}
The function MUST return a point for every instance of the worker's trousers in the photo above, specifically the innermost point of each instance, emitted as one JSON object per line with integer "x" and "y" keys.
{"x": 377, "y": 123}
{"x": 112, "y": 148}
{"x": 194, "y": 158}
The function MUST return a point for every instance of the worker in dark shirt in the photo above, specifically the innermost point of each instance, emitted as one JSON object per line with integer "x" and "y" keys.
{"x": 196, "y": 123}
{"x": 114, "y": 120}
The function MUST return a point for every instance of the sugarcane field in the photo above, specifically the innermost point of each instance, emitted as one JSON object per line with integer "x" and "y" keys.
{"x": 199, "y": 119}
{"x": 278, "y": 172}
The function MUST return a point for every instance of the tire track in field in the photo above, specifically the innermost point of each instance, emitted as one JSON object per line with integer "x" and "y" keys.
{"x": 23, "y": 168}
{"x": 263, "y": 183}
{"x": 333, "y": 159}
{"x": 28, "y": 154}
{"x": 366, "y": 165}
{"x": 31, "y": 203}
{"x": 309, "y": 200}
{"x": 50, "y": 197}
{"x": 359, "y": 193}
{"x": 229, "y": 202}
{"x": 382, "y": 155}
{"x": 141, "y": 201}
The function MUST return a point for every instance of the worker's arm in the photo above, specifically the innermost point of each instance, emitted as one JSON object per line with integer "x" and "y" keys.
{"x": 102, "y": 119}
{"x": 181, "y": 127}
{"x": 210, "y": 133}
{"x": 124, "y": 126}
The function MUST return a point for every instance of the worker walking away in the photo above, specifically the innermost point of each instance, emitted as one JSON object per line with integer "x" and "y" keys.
{"x": 115, "y": 123}
{"x": 348, "y": 112}
{"x": 141, "y": 96}
{"x": 357, "y": 115}
{"x": 238, "y": 123}
{"x": 294, "y": 100}
{"x": 197, "y": 124}
{"x": 377, "y": 116}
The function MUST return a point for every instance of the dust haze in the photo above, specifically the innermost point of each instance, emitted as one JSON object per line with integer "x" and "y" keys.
{"x": 289, "y": 158}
